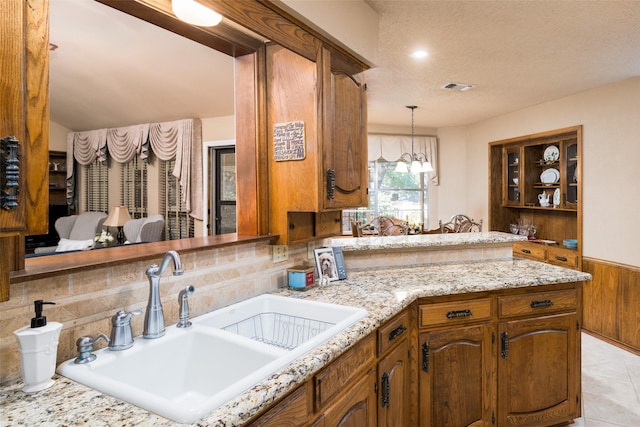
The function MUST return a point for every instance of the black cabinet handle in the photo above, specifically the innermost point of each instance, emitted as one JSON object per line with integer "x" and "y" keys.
{"x": 425, "y": 357}
{"x": 543, "y": 303}
{"x": 386, "y": 390}
{"x": 9, "y": 172}
{"x": 396, "y": 332}
{"x": 525, "y": 251}
{"x": 504, "y": 345}
{"x": 561, "y": 258}
{"x": 453, "y": 314}
{"x": 331, "y": 183}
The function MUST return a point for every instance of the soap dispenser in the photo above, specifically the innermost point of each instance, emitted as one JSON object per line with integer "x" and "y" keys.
{"x": 38, "y": 347}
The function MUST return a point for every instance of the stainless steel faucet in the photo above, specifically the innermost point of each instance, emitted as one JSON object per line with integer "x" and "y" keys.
{"x": 154, "y": 315}
{"x": 183, "y": 299}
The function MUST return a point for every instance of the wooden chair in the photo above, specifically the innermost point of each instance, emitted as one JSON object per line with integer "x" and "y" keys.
{"x": 460, "y": 224}
{"x": 388, "y": 226}
{"x": 356, "y": 229}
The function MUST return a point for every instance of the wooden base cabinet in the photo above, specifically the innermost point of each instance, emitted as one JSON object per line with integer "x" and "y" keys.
{"x": 506, "y": 359}
{"x": 356, "y": 409}
{"x": 457, "y": 376}
{"x": 539, "y": 371}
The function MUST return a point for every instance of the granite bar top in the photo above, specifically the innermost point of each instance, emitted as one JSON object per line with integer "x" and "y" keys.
{"x": 424, "y": 241}
{"x": 383, "y": 292}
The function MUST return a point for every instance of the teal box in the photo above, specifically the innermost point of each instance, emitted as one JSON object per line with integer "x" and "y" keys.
{"x": 300, "y": 277}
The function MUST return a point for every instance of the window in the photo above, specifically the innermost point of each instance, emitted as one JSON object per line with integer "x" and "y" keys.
{"x": 134, "y": 188}
{"x": 178, "y": 223}
{"x": 396, "y": 194}
{"x": 97, "y": 187}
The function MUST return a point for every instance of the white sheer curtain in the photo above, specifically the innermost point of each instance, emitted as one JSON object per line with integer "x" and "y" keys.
{"x": 180, "y": 139}
{"x": 391, "y": 147}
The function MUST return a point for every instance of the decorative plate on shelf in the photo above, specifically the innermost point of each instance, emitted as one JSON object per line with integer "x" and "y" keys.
{"x": 556, "y": 197}
{"x": 550, "y": 176}
{"x": 551, "y": 154}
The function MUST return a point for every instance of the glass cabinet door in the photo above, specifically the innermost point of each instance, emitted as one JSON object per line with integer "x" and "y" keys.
{"x": 512, "y": 161}
{"x": 570, "y": 183}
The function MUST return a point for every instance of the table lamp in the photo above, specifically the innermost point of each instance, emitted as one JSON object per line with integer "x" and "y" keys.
{"x": 118, "y": 216}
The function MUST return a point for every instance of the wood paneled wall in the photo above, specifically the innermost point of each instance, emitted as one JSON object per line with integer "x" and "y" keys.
{"x": 612, "y": 302}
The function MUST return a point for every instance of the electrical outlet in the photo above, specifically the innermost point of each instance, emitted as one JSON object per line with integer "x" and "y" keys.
{"x": 280, "y": 253}
{"x": 310, "y": 247}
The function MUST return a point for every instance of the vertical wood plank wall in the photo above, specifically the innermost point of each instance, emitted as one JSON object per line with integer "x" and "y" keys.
{"x": 611, "y": 303}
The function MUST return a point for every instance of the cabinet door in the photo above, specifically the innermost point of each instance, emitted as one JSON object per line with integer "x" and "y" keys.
{"x": 511, "y": 173}
{"x": 292, "y": 411}
{"x": 394, "y": 401}
{"x": 12, "y": 118}
{"x": 457, "y": 377}
{"x": 539, "y": 371}
{"x": 345, "y": 151}
{"x": 357, "y": 407}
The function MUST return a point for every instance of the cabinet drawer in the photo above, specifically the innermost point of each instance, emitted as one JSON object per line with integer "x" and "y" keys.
{"x": 530, "y": 250}
{"x": 455, "y": 312}
{"x": 328, "y": 223}
{"x": 537, "y": 303}
{"x": 393, "y": 332}
{"x": 340, "y": 373}
{"x": 562, "y": 257}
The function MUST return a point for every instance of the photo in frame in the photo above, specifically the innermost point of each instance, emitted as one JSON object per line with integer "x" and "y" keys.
{"x": 326, "y": 263}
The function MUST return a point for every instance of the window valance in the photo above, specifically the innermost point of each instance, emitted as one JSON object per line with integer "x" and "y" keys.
{"x": 180, "y": 139}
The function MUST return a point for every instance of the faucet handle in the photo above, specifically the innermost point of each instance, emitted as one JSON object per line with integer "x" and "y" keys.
{"x": 85, "y": 348}
{"x": 123, "y": 318}
{"x": 121, "y": 334}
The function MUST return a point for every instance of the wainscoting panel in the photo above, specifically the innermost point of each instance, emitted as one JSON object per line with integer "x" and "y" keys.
{"x": 611, "y": 302}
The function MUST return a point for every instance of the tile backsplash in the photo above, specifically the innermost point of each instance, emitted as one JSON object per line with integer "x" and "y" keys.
{"x": 86, "y": 300}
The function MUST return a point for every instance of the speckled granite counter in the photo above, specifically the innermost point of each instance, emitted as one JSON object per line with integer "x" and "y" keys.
{"x": 383, "y": 292}
{"x": 403, "y": 251}
{"x": 425, "y": 241}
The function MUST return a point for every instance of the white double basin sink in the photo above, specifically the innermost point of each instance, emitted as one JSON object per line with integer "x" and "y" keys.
{"x": 189, "y": 372}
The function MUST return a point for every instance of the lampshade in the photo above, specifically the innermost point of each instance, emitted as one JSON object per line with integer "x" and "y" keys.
{"x": 426, "y": 167}
{"x": 416, "y": 166}
{"x": 118, "y": 216}
{"x": 401, "y": 167}
{"x": 192, "y": 12}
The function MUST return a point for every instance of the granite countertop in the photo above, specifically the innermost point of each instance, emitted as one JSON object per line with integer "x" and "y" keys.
{"x": 382, "y": 292}
{"x": 424, "y": 241}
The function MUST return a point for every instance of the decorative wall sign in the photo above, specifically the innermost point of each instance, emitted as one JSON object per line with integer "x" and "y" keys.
{"x": 288, "y": 141}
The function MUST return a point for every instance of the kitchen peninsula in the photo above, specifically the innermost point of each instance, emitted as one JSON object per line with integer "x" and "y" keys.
{"x": 495, "y": 283}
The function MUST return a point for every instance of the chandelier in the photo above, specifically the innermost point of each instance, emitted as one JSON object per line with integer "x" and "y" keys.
{"x": 415, "y": 162}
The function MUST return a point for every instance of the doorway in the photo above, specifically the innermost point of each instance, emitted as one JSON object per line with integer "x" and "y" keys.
{"x": 222, "y": 207}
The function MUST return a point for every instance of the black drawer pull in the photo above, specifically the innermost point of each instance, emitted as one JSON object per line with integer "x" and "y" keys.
{"x": 543, "y": 303}
{"x": 525, "y": 251}
{"x": 454, "y": 314}
{"x": 561, "y": 258}
{"x": 396, "y": 332}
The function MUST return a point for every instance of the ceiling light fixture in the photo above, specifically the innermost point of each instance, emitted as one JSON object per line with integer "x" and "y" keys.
{"x": 194, "y": 13}
{"x": 418, "y": 161}
{"x": 419, "y": 54}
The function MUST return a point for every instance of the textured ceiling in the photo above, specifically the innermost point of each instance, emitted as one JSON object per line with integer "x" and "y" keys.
{"x": 115, "y": 70}
{"x": 516, "y": 53}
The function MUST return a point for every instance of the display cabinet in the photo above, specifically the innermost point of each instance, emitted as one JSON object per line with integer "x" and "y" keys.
{"x": 535, "y": 190}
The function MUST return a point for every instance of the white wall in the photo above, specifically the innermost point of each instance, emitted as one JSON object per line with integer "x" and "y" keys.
{"x": 610, "y": 116}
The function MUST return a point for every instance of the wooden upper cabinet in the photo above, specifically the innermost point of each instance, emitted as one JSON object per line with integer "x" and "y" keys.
{"x": 324, "y": 106}
{"x": 24, "y": 89}
{"x": 12, "y": 117}
{"x": 345, "y": 148}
